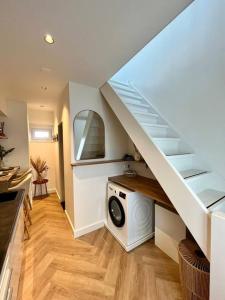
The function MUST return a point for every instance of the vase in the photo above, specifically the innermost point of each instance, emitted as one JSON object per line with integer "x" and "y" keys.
{"x": 39, "y": 177}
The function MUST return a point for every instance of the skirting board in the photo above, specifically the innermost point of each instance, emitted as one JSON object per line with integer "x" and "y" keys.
{"x": 52, "y": 190}
{"x": 57, "y": 195}
{"x": 89, "y": 228}
{"x": 70, "y": 222}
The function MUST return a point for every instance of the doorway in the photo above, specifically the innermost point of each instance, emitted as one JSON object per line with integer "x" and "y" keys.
{"x": 61, "y": 164}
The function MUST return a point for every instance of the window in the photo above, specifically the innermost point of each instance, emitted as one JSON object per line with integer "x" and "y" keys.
{"x": 41, "y": 134}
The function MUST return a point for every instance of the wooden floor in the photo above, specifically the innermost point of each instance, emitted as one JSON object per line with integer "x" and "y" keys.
{"x": 94, "y": 267}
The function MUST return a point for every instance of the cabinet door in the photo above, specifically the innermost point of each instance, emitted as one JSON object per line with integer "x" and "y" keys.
{"x": 16, "y": 255}
{"x": 5, "y": 278}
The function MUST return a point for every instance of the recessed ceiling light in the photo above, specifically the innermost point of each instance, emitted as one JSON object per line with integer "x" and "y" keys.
{"x": 49, "y": 39}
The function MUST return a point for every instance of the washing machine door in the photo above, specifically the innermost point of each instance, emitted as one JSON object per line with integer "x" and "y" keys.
{"x": 116, "y": 211}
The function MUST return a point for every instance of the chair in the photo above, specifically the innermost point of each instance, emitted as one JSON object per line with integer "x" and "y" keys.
{"x": 19, "y": 178}
{"x": 25, "y": 184}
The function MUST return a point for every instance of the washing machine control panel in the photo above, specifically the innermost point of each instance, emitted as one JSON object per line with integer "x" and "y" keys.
{"x": 122, "y": 195}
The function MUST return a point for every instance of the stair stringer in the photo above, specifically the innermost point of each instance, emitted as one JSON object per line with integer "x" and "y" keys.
{"x": 195, "y": 216}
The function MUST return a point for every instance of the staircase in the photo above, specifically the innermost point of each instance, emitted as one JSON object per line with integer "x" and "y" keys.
{"x": 194, "y": 189}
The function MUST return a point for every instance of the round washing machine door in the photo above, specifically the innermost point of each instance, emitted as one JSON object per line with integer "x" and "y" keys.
{"x": 116, "y": 211}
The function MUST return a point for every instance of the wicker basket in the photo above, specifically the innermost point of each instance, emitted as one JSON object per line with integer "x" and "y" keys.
{"x": 194, "y": 271}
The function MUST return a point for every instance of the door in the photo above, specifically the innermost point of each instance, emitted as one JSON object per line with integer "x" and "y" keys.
{"x": 61, "y": 164}
{"x": 116, "y": 211}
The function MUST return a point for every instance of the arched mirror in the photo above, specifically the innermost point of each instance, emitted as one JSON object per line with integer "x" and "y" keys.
{"x": 89, "y": 135}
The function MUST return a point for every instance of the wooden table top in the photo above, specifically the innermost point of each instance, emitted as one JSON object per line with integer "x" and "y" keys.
{"x": 8, "y": 175}
{"x": 145, "y": 186}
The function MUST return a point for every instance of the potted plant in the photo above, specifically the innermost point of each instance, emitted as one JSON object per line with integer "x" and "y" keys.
{"x": 40, "y": 166}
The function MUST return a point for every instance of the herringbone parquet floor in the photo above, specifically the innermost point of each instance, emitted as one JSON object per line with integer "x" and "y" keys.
{"x": 94, "y": 267}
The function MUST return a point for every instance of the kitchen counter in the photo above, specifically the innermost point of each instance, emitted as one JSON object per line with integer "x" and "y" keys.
{"x": 145, "y": 186}
{"x": 10, "y": 204}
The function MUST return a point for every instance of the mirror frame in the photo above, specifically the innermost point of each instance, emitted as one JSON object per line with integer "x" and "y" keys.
{"x": 74, "y": 135}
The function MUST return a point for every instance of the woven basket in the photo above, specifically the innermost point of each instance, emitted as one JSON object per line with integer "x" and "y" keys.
{"x": 194, "y": 271}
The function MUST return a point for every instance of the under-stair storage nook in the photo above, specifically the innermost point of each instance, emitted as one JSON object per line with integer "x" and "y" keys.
{"x": 194, "y": 190}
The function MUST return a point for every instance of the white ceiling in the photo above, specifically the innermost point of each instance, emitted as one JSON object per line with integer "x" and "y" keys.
{"x": 94, "y": 38}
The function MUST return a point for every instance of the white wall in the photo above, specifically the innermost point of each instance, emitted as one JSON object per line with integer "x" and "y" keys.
{"x": 44, "y": 149}
{"x": 41, "y": 117}
{"x": 63, "y": 115}
{"x": 16, "y": 128}
{"x": 88, "y": 98}
{"x": 90, "y": 181}
{"x": 182, "y": 72}
{"x": 90, "y": 186}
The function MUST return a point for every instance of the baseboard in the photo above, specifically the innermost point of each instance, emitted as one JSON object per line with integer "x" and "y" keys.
{"x": 57, "y": 195}
{"x": 89, "y": 228}
{"x": 52, "y": 190}
{"x": 70, "y": 222}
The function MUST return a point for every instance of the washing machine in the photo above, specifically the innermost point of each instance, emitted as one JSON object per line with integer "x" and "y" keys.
{"x": 130, "y": 216}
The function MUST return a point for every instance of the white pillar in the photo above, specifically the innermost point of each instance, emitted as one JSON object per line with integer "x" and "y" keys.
{"x": 217, "y": 262}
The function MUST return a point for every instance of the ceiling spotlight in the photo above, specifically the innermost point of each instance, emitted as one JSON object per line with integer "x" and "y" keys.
{"x": 49, "y": 39}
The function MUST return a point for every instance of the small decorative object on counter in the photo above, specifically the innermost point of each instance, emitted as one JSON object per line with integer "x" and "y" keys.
{"x": 137, "y": 155}
{"x": 128, "y": 157}
{"x": 130, "y": 173}
{"x": 40, "y": 166}
{"x": 2, "y": 134}
{"x": 3, "y": 153}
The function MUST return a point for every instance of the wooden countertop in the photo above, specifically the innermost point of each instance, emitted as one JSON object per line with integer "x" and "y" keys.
{"x": 145, "y": 186}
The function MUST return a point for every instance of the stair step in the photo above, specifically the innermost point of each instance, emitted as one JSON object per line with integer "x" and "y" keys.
{"x": 158, "y": 130}
{"x": 140, "y": 105}
{"x": 209, "y": 197}
{"x": 145, "y": 114}
{"x": 170, "y": 145}
{"x": 122, "y": 87}
{"x": 119, "y": 83}
{"x": 186, "y": 162}
{"x": 191, "y": 173}
{"x": 125, "y": 96}
{"x": 178, "y": 154}
{"x": 136, "y": 97}
{"x": 154, "y": 125}
{"x": 166, "y": 139}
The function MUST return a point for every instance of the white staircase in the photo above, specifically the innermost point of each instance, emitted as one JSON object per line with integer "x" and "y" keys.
{"x": 192, "y": 187}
